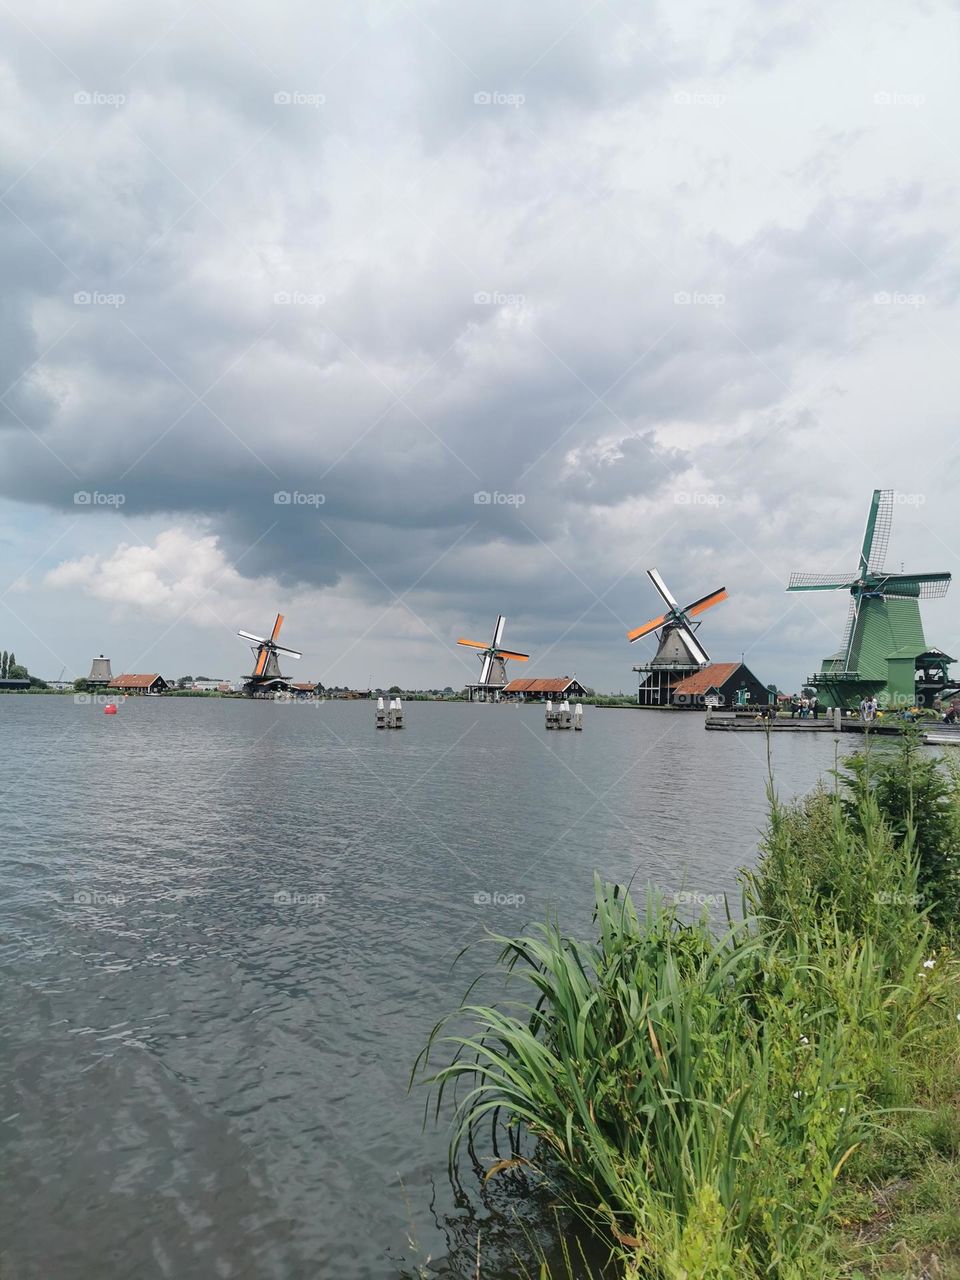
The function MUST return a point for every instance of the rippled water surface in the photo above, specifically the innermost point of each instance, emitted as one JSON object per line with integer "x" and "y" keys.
{"x": 229, "y": 927}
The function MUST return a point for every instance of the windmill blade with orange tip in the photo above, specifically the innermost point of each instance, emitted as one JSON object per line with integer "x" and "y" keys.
{"x": 261, "y": 662}
{"x": 276, "y": 627}
{"x": 647, "y": 628}
{"x": 474, "y": 644}
{"x": 706, "y": 602}
{"x": 507, "y": 653}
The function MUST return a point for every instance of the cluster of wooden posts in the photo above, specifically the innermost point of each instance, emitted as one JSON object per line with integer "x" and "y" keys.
{"x": 561, "y": 717}
{"x": 557, "y": 717}
{"x": 389, "y": 717}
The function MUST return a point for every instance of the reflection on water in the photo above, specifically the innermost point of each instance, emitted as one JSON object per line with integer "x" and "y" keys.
{"x": 229, "y": 928}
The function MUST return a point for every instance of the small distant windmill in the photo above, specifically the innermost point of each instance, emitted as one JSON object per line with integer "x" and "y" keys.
{"x": 883, "y": 651}
{"x": 493, "y": 672}
{"x": 100, "y": 671}
{"x": 267, "y": 677}
{"x": 679, "y": 652}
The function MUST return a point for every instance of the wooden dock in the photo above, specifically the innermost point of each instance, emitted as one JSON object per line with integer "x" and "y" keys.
{"x": 732, "y": 722}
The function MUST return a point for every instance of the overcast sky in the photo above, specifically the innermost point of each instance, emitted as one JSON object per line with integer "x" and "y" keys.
{"x": 672, "y": 286}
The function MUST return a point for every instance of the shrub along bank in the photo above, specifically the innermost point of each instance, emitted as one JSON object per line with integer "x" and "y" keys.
{"x": 776, "y": 1097}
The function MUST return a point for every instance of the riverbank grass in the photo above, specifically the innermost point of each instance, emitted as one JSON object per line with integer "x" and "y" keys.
{"x": 776, "y": 1097}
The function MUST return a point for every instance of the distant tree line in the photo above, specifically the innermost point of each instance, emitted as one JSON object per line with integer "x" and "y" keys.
{"x": 11, "y": 669}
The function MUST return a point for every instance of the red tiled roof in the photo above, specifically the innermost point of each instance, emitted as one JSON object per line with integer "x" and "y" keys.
{"x": 133, "y": 682}
{"x": 711, "y": 677}
{"x": 551, "y": 684}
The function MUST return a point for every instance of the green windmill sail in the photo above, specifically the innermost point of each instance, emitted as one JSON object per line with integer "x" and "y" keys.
{"x": 883, "y": 651}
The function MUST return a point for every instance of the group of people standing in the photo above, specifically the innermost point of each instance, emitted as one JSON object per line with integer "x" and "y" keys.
{"x": 804, "y": 707}
{"x": 809, "y": 707}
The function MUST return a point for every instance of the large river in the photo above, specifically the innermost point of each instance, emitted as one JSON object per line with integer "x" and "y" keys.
{"x": 228, "y": 928}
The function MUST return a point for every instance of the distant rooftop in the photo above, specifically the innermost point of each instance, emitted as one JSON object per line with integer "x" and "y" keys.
{"x": 548, "y": 684}
{"x": 713, "y": 676}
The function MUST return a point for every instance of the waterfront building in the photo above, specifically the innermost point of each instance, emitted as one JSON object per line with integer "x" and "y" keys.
{"x": 540, "y": 689}
{"x": 721, "y": 684}
{"x": 139, "y": 684}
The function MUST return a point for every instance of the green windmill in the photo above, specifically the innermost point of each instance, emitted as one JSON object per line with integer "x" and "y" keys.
{"x": 883, "y": 651}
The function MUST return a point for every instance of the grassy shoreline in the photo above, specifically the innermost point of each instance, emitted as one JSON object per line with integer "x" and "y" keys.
{"x": 777, "y": 1096}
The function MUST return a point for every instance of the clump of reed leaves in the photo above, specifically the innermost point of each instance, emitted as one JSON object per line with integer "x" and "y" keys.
{"x": 696, "y": 1090}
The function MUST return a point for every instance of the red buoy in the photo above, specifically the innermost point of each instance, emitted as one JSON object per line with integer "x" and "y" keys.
{"x": 110, "y": 709}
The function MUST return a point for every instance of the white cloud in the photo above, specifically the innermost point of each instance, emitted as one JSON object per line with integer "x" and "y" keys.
{"x": 180, "y": 572}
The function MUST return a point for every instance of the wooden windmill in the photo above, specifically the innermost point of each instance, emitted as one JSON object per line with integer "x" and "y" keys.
{"x": 679, "y": 651}
{"x": 493, "y": 671}
{"x": 266, "y": 677}
{"x": 883, "y": 651}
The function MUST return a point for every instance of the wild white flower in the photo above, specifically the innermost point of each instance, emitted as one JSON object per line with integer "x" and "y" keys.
{"x": 798, "y": 1093}
{"x": 843, "y": 1111}
{"x": 804, "y": 1040}
{"x": 928, "y": 964}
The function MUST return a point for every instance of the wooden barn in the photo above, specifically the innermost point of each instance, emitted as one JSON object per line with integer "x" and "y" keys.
{"x": 307, "y": 689}
{"x": 721, "y": 684}
{"x": 139, "y": 684}
{"x": 538, "y": 690}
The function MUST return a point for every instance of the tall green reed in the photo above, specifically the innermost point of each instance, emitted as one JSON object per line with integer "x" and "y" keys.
{"x": 697, "y": 1091}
